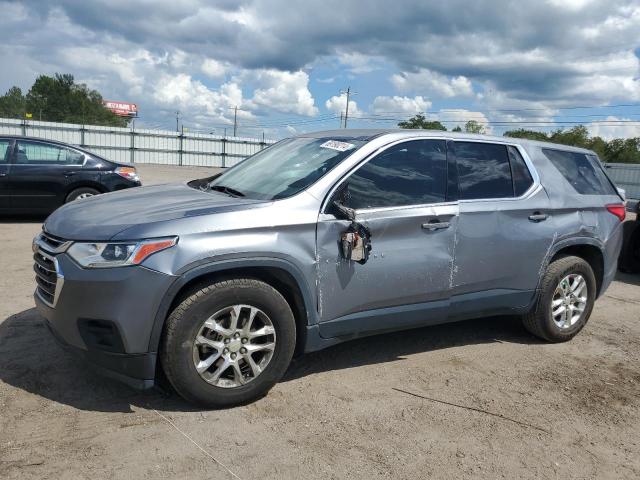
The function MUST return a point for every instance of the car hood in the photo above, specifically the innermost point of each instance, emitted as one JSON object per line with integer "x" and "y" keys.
{"x": 104, "y": 216}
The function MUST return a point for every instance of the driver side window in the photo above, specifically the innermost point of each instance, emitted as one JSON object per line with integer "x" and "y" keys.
{"x": 409, "y": 173}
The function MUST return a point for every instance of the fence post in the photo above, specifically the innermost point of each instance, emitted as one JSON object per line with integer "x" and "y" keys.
{"x": 132, "y": 144}
{"x": 224, "y": 151}
{"x": 24, "y": 128}
{"x": 82, "y": 129}
{"x": 180, "y": 136}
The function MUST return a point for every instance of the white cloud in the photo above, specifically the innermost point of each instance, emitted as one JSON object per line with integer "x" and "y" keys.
{"x": 213, "y": 68}
{"x": 402, "y": 105}
{"x": 286, "y": 92}
{"x": 613, "y": 127}
{"x": 358, "y": 63}
{"x": 432, "y": 83}
{"x": 338, "y": 103}
{"x": 194, "y": 98}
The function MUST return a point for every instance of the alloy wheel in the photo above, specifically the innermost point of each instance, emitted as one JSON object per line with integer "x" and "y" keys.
{"x": 234, "y": 346}
{"x": 569, "y": 300}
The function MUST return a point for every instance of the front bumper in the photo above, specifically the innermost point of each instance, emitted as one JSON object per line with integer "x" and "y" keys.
{"x": 107, "y": 316}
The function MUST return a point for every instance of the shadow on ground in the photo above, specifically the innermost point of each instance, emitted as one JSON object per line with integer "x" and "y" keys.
{"x": 31, "y": 360}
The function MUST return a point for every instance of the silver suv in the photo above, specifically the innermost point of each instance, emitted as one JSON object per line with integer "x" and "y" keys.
{"x": 323, "y": 238}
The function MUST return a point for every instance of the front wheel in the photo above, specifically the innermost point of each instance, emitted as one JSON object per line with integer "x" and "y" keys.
{"x": 80, "y": 193}
{"x": 228, "y": 343}
{"x": 566, "y": 298}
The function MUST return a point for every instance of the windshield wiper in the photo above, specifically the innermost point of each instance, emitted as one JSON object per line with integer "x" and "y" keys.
{"x": 228, "y": 190}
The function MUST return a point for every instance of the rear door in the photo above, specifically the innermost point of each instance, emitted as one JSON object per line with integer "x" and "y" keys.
{"x": 41, "y": 173}
{"x": 5, "y": 155}
{"x": 505, "y": 228}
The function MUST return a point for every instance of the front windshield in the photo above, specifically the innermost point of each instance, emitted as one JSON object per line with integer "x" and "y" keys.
{"x": 285, "y": 168}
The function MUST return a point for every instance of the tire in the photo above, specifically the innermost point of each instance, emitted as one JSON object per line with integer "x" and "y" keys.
{"x": 540, "y": 320}
{"x": 185, "y": 327}
{"x": 81, "y": 192}
{"x": 629, "y": 261}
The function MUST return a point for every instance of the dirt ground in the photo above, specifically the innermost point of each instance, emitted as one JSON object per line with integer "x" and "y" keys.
{"x": 555, "y": 411}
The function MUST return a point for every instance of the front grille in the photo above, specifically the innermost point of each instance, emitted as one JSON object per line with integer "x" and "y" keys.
{"x": 49, "y": 278}
{"x": 46, "y": 276}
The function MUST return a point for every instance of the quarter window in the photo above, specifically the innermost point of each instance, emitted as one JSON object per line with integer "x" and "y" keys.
{"x": 45, "y": 154}
{"x": 483, "y": 171}
{"x": 580, "y": 171}
{"x": 410, "y": 173}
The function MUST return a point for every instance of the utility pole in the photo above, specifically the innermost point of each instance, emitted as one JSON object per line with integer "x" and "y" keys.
{"x": 341, "y": 117}
{"x": 177, "y": 121}
{"x": 235, "y": 120}
{"x": 348, "y": 93}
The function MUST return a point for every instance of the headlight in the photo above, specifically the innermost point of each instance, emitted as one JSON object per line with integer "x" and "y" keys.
{"x": 117, "y": 254}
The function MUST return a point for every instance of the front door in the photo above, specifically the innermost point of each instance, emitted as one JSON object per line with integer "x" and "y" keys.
{"x": 41, "y": 173}
{"x": 400, "y": 195}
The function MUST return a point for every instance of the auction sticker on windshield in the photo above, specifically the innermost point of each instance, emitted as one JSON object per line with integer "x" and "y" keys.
{"x": 336, "y": 145}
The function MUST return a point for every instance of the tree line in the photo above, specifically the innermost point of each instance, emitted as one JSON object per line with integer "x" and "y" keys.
{"x": 59, "y": 99}
{"x": 617, "y": 150}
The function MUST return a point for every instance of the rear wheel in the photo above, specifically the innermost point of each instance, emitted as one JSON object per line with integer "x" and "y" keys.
{"x": 228, "y": 343}
{"x": 565, "y": 302}
{"x": 80, "y": 193}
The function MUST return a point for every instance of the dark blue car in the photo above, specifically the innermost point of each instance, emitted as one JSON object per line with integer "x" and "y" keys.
{"x": 37, "y": 176}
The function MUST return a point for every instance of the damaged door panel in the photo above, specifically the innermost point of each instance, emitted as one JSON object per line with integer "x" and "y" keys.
{"x": 403, "y": 252}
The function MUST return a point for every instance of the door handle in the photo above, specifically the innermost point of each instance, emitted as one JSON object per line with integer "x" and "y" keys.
{"x": 432, "y": 226}
{"x": 3, "y": 174}
{"x": 538, "y": 217}
{"x": 69, "y": 174}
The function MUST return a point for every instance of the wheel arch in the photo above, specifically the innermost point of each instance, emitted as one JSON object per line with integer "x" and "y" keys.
{"x": 589, "y": 249}
{"x": 280, "y": 274}
{"x": 84, "y": 184}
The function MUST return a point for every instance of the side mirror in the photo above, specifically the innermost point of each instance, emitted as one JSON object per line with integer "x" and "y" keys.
{"x": 355, "y": 243}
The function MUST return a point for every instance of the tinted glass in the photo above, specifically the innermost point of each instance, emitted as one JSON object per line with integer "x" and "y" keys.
{"x": 584, "y": 176}
{"x": 46, "y": 154}
{"x": 4, "y": 148}
{"x": 287, "y": 167}
{"x": 411, "y": 173}
{"x": 522, "y": 179}
{"x": 483, "y": 170}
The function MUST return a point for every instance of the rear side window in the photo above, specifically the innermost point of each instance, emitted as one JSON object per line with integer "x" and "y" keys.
{"x": 4, "y": 151}
{"x": 410, "y": 173}
{"x": 584, "y": 176}
{"x": 36, "y": 153}
{"x": 483, "y": 171}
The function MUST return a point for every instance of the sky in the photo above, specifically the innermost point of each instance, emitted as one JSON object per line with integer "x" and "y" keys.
{"x": 539, "y": 64}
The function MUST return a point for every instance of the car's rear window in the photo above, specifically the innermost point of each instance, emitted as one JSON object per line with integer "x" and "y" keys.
{"x": 584, "y": 175}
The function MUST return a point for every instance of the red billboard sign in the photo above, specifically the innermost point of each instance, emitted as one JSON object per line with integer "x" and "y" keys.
{"x": 124, "y": 109}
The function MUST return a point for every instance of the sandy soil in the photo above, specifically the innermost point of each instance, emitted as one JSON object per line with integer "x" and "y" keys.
{"x": 555, "y": 411}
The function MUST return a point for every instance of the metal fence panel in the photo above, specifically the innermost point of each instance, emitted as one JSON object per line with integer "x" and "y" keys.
{"x": 626, "y": 176}
{"x": 142, "y": 145}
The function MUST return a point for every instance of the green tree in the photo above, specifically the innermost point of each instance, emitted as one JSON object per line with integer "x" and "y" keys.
{"x": 577, "y": 136}
{"x": 420, "y": 122}
{"x": 529, "y": 134}
{"x": 12, "y": 104}
{"x": 623, "y": 150}
{"x": 59, "y": 99}
{"x": 457, "y": 128}
{"x": 473, "y": 127}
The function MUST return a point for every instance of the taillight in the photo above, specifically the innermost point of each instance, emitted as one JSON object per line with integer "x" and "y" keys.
{"x": 618, "y": 210}
{"x": 129, "y": 173}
